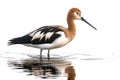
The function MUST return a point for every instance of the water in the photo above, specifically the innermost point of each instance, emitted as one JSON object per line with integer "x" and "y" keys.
{"x": 87, "y": 66}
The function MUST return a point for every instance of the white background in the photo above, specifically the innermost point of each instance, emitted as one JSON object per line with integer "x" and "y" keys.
{"x": 18, "y": 17}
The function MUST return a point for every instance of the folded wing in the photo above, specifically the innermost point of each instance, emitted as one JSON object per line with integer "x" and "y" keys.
{"x": 42, "y": 35}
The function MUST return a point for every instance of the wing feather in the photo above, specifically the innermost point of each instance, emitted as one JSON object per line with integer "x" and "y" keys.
{"x": 42, "y": 35}
{"x": 46, "y": 34}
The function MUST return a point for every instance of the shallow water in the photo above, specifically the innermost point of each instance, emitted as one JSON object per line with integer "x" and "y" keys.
{"x": 28, "y": 66}
{"x": 44, "y": 69}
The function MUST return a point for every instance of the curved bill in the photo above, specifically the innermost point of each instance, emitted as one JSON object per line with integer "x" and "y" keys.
{"x": 88, "y": 23}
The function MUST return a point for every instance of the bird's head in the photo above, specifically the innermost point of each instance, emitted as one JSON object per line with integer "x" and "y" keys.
{"x": 75, "y": 14}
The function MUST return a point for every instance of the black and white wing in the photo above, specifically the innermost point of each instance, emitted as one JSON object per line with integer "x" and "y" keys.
{"x": 42, "y": 35}
{"x": 46, "y": 34}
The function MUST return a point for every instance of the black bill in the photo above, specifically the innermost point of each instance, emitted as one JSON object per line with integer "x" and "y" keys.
{"x": 88, "y": 23}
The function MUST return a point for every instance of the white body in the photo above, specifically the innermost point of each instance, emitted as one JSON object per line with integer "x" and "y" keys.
{"x": 59, "y": 42}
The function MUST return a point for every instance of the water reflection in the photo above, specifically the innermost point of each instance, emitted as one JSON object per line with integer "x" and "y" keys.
{"x": 71, "y": 72}
{"x": 53, "y": 68}
{"x": 47, "y": 68}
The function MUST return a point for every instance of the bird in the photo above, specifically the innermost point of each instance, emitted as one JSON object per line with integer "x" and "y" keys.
{"x": 51, "y": 36}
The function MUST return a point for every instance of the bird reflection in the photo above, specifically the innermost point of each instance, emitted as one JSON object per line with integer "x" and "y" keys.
{"x": 71, "y": 72}
{"x": 44, "y": 69}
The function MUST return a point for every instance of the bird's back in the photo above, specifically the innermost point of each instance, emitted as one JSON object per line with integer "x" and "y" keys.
{"x": 46, "y": 36}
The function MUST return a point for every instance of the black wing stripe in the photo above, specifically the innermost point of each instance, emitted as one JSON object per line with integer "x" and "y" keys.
{"x": 21, "y": 40}
{"x": 44, "y": 30}
{"x": 27, "y": 39}
{"x": 44, "y": 41}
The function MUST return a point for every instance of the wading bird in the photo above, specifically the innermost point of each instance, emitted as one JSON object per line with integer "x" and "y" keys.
{"x": 51, "y": 37}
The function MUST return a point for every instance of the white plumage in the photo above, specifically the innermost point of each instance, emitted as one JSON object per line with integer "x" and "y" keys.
{"x": 58, "y": 42}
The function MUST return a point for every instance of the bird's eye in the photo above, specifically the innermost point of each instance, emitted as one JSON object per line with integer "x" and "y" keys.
{"x": 77, "y": 13}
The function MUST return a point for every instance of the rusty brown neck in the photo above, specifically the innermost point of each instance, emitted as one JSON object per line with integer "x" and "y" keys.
{"x": 71, "y": 26}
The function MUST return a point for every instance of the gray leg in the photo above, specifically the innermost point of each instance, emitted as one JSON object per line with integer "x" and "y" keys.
{"x": 48, "y": 54}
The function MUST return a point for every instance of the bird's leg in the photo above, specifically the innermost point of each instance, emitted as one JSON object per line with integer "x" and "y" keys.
{"x": 41, "y": 55}
{"x": 48, "y": 54}
{"x": 40, "y": 64}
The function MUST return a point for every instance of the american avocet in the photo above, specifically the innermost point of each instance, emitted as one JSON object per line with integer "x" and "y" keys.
{"x": 51, "y": 37}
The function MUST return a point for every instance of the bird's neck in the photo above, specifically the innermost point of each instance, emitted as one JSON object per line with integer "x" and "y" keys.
{"x": 71, "y": 27}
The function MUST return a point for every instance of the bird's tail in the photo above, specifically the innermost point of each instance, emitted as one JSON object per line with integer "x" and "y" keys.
{"x": 14, "y": 41}
{"x": 20, "y": 40}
